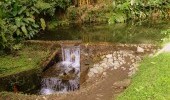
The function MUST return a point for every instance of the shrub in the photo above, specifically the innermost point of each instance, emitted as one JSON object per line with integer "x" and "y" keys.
{"x": 139, "y": 9}
{"x": 18, "y": 21}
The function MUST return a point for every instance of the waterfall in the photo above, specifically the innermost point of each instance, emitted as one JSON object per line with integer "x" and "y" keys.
{"x": 71, "y": 56}
{"x": 69, "y": 75}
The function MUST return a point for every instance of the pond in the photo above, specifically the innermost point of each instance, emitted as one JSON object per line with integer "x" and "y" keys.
{"x": 139, "y": 32}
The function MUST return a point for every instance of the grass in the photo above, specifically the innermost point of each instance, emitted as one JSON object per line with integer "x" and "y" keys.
{"x": 29, "y": 57}
{"x": 152, "y": 82}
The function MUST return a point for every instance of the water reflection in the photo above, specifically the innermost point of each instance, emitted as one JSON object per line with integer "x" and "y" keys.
{"x": 146, "y": 32}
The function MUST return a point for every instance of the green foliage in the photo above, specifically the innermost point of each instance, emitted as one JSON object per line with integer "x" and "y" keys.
{"x": 139, "y": 9}
{"x": 18, "y": 21}
{"x": 46, "y": 7}
{"x": 52, "y": 25}
{"x": 72, "y": 13}
{"x": 50, "y": 6}
{"x": 117, "y": 18}
{"x": 43, "y": 25}
{"x": 60, "y": 3}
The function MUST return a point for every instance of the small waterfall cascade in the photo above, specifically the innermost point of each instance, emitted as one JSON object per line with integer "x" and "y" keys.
{"x": 65, "y": 75}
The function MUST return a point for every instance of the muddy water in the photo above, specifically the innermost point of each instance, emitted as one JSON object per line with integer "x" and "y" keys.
{"x": 141, "y": 32}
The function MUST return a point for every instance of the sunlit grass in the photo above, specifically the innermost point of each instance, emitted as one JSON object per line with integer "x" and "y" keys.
{"x": 27, "y": 58}
{"x": 152, "y": 81}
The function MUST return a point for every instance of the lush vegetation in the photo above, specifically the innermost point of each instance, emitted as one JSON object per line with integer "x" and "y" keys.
{"x": 124, "y": 10}
{"x": 17, "y": 22}
{"x": 21, "y": 20}
{"x": 152, "y": 80}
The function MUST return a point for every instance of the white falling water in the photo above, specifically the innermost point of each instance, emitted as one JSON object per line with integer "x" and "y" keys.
{"x": 71, "y": 59}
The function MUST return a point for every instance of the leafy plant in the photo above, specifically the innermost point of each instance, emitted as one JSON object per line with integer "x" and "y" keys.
{"x": 46, "y": 7}
{"x": 139, "y": 9}
{"x": 60, "y": 3}
{"x": 50, "y": 6}
{"x": 19, "y": 21}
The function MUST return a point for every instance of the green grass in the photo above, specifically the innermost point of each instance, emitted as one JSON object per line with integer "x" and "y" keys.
{"x": 29, "y": 57}
{"x": 152, "y": 81}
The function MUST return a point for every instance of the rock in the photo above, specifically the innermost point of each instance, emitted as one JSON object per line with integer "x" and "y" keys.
{"x": 138, "y": 58}
{"x": 94, "y": 70}
{"x": 140, "y": 50}
{"x": 131, "y": 73}
{"x": 116, "y": 63}
{"x": 115, "y": 67}
{"x": 124, "y": 68}
{"x": 99, "y": 95}
{"x": 121, "y": 63}
{"x": 44, "y": 98}
{"x": 133, "y": 60}
{"x": 86, "y": 54}
{"x": 105, "y": 60}
{"x": 109, "y": 64}
{"x": 114, "y": 54}
{"x": 119, "y": 58}
{"x": 131, "y": 68}
{"x": 109, "y": 56}
{"x": 104, "y": 65}
{"x": 90, "y": 74}
{"x": 102, "y": 57}
{"x": 110, "y": 60}
{"x": 151, "y": 55}
{"x": 96, "y": 65}
{"x": 125, "y": 83}
{"x": 99, "y": 69}
{"x": 104, "y": 74}
{"x": 135, "y": 65}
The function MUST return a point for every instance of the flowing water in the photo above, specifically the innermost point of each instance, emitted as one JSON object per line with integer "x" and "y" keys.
{"x": 66, "y": 77}
{"x": 140, "y": 32}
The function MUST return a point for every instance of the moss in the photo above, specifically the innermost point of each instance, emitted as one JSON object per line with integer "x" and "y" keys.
{"x": 26, "y": 59}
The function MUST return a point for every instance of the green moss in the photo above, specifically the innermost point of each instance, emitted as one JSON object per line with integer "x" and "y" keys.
{"x": 152, "y": 82}
{"x": 26, "y": 59}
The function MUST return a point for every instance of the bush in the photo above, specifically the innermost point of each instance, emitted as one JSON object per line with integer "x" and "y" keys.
{"x": 18, "y": 21}
{"x": 50, "y": 6}
{"x": 139, "y": 9}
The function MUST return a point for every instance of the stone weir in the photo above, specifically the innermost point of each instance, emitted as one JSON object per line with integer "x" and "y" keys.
{"x": 71, "y": 65}
{"x": 63, "y": 76}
